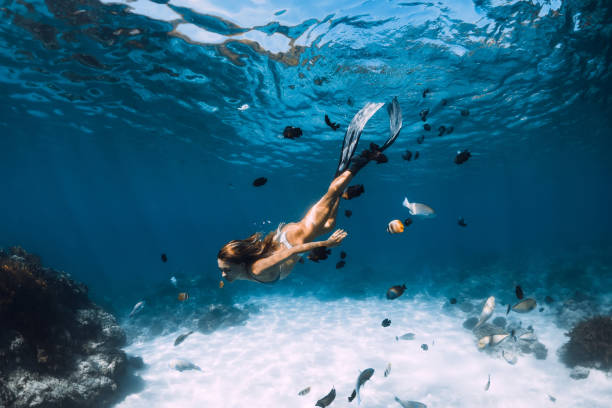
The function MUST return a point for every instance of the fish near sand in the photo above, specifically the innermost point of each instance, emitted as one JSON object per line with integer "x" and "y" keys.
{"x": 182, "y": 338}
{"x": 488, "y": 383}
{"x": 386, "y": 323}
{"x": 487, "y": 311}
{"x": 326, "y": 400}
{"x": 407, "y": 336}
{"x": 410, "y": 404}
{"x": 304, "y": 391}
{"x": 525, "y": 306}
{"x": 137, "y": 308}
{"x": 182, "y": 365}
{"x": 388, "y": 370}
{"x": 396, "y": 291}
{"x": 418, "y": 209}
{"x": 364, "y": 376}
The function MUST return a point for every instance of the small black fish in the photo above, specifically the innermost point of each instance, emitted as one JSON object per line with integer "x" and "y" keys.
{"x": 349, "y": 101}
{"x": 444, "y": 102}
{"x": 386, "y": 323}
{"x": 508, "y": 310}
{"x": 407, "y": 222}
{"x": 512, "y": 334}
{"x": 301, "y": 260}
{"x": 342, "y": 255}
{"x": 258, "y": 182}
{"x": 427, "y": 127}
{"x": 331, "y": 124}
{"x": 164, "y": 258}
{"x": 291, "y": 132}
{"x": 340, "y": 264}
{"x": 541, "y": 309}
{"x": 319, "y": 254}
{"x": 181, "y": 338}
{"x": 420, "y": 139}
{"x": 416, "y": 155}
{"x": 425, "y": 347}
{"x": 395, "y": 291}
{"x": 449, "y": 130}
{"x": 407, "y": 156}
{"x": 465, "y": 112}
{"x": 348, "y": 213}
{"x": 462, "y": 156}
{"x": 327, "y": 400}
{"x": 353, "y": 191}
{"x": 519, "y": 292}
{"x": 453, "y": 301}
{"x": 461, "y": 222}
{"x": 352, "y": 396}
{"x": 423, "y": 114}
{"x": 441, "y": 130}
{"x": 425, "y": 92}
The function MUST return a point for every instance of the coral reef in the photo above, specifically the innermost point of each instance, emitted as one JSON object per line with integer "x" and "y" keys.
{"x": 590, "y": 344}
{"x": 57, "y": 348}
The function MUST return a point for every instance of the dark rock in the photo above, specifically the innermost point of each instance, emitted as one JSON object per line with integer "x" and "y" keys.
{"x": 590, "y": 344}
{"x": 579, "y": 373}
{"x": 466, "y": 307}
{"x": 470, "y": 323}
{"x": 487, "y": 329}
{"x": 540, "y": 351}
{"x": 57, "y": 348}
{"x": 500, "y": 321}
{"x": 219, "y": 316}
{"x": 136, "y": 362}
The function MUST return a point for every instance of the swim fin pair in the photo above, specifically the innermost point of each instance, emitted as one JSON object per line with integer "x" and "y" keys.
{"x": 353, "y": 133}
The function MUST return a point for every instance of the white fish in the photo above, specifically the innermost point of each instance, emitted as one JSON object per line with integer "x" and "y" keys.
{"x": 173, "y": 281}
{"x": 510, "y": 357}
{"x": 528, "y": 336}
{"x": 388, "y": 370}
{"x": 484, "y": 342}
{"x": 182, "y": 365}
{"x": 410, "y": 404}
{"x": 407, "y": 336}
{"x": 137, "y": 308}
{"x": 488, "y": 383}
{"x": 498, "y": 338}
{"x": 418, "y": 209}
{"x": 487, "y": 311}
{"x": 243, "y": 107}
{"x": 363, "y": 377}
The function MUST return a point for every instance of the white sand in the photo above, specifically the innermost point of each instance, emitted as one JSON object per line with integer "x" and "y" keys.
{"x": 294, "y": 343}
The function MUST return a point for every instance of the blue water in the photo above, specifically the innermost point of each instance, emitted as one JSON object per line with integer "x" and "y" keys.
{"x": 121, "y": 138}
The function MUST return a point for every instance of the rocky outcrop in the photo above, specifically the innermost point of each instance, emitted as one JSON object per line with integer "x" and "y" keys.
{"x": 590, "y": 344}
{"x": 57, "y": 348}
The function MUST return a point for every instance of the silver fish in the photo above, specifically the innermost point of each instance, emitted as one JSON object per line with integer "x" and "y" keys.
{"x": 407, "y": 336}
{"x": 304, "y": 391}
{"x": 525, "y": 306}
{"x": 183, "y": 365}
{"x": 528, "y": 336}
{"x": 181, "y": 338}
{"x": 498, "y": 338}
{"x": 488, "y": 383}
{"x": 410, "y": 404}
{"x": 487, "y": 311}
{"x": 419, "y": 209}
{"x": 388, "y": 370}
{"x": 137, "y": 308}
{"x": 364, "y": 376}
{"x": 173, "y": 281}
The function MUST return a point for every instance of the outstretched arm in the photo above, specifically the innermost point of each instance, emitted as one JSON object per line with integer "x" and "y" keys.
{"x": 261, "y": 265}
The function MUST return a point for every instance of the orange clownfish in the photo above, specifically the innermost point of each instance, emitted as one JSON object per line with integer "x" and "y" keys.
{"x": 221, "y": 284}
{"x": 395, "y": 227}
{"x": 183, "y": 296}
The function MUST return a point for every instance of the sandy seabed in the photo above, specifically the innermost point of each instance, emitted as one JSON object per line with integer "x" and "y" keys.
{"x": 294, "y": 343}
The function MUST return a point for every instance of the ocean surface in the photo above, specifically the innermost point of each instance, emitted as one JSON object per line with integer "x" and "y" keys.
{"x": 131, "y": 129}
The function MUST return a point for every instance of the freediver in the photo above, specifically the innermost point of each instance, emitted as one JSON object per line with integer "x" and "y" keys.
{"x": 272, "y": 258}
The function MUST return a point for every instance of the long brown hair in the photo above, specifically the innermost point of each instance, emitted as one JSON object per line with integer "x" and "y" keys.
{"x": 248, "y": 250}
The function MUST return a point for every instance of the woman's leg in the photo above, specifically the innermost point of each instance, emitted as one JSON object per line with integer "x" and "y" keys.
{"x": 315, "y": 221}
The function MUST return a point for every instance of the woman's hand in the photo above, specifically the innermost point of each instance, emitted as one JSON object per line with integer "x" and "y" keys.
{"x": 336, "y": 238}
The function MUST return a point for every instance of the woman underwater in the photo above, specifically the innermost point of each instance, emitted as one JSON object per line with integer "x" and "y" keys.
{"x": 273, "y": 258}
